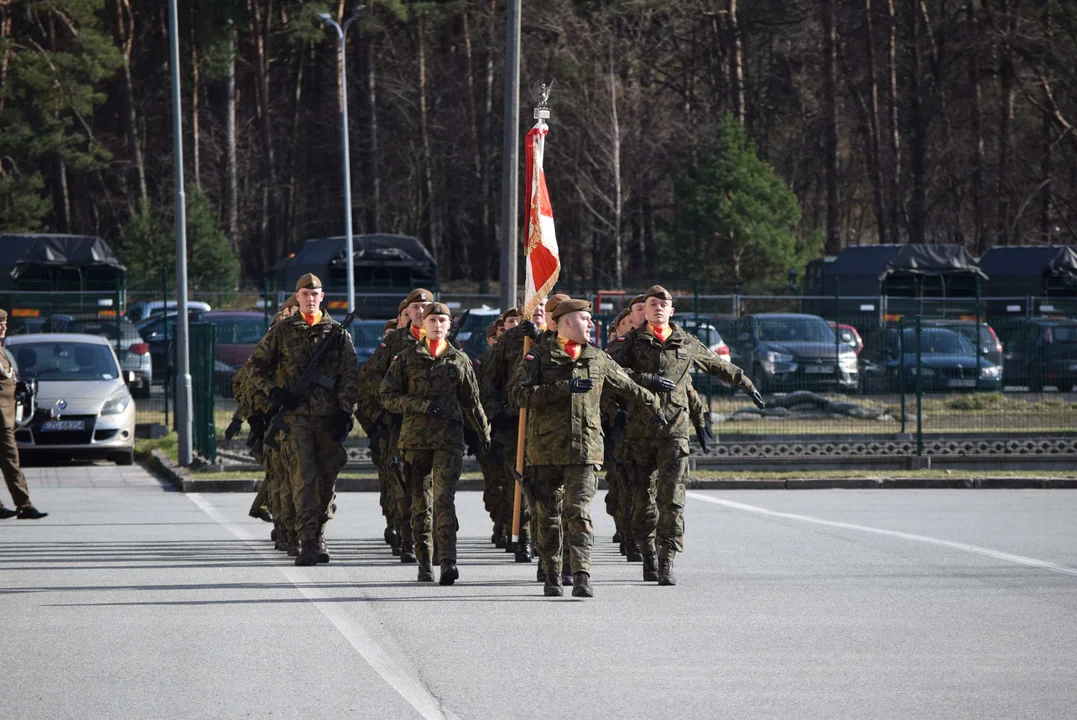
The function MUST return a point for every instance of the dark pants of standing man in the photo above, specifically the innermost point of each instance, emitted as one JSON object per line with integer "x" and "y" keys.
{"x": 9, "y": 465}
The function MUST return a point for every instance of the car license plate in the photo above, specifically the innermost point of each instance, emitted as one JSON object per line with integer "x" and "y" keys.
{"x": 961, "y": 383}
{"x": 818, "y": 369}
{"x": 60, "y": 425}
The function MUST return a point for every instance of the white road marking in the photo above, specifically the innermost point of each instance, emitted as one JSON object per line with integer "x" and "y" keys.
{"x": 405, "y": 682}
{"x": 975, "y": 549}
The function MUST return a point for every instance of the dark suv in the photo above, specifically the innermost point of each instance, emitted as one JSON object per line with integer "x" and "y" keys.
{"x": 1039, "y": 352}
{"x": 791, "y": 351}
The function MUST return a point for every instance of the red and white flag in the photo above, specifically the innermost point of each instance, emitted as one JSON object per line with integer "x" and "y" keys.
{"x": 543, "y": 260}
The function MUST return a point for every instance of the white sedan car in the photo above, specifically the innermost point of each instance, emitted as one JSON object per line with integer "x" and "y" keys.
{"x": 84, "y": 409}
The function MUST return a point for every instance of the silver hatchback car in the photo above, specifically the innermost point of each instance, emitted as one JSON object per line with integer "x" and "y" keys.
{"x": 84, "y": 408}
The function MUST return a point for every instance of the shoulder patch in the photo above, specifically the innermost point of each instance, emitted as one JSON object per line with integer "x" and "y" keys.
{"x": 529, "y": 356}
{"x": 622, "y": 338}
{"x": 395, "y": 357}
{"x": 381, "y": 346}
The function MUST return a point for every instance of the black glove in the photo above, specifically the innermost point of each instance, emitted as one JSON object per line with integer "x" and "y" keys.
{"x": 756, "y": 398}
{"x": 529, "y": 329}
{"x": 505, "y": 420}
{"x": 257, "y": 423}
{"x": 233, "y": 429}
{"x": 620, "y": 423}
{"x": 702, "y": 433}
{"x": 435, "y": 409}
{"x": 580, "y": 385}
{"x": 342, "y": 425}
{"x": 658, "y": 383}
{"x": 284, "y": 398}
{"x": 21, "y": 389}
{"x": 484, "y": 446}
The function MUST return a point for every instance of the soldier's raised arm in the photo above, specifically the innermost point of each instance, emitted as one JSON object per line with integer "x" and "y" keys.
{"x": 526, "y": 390}
{"x": 619, "y": 384}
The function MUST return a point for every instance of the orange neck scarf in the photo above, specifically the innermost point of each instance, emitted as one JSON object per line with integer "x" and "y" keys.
{"x": 660, "y": 332}
{"x": 313, "y": 319}
{"x": 571, "y": 347}
{"x": 418, "y": 333}
{"x": 436, "y": 347}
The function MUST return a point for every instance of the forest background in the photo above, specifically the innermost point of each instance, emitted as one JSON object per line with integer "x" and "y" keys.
{"x": 718, "y": 141}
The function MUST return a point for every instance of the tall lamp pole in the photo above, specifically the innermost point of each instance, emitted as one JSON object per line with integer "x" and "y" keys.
{"x": 510, "y": 155}
{"x": 341, "y": 33}
{"x": 183, "y": 358}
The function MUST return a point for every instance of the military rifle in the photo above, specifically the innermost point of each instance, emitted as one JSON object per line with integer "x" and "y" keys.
{"x": 311, "y": 376}
{"x": 457, "y": 327}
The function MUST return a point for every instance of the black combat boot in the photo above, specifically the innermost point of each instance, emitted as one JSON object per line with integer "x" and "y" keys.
{"x": 6, "y": 512}
{"x": 665, "y": 567}
{"x": 617, "y": 538}
{"x": 449, "y": 572}
{"x": 292, "y": 545}
{"x": 261, "y": 514}
{"x": 500, "y": 537}
{"x": 426, "y": 570}
{"x": 29, "y": 512}
{"x": 323, "y": 551}
{"x": 650, "y": 567}
{"x": 622, "y": 548}
{"x": 581, "y": 585}
{"x": 541, "y": 574}
{"x": 407, "y": 552}
{"x": 523, "y": 549}
{"x": 308, "y": 552}
{"x": 632, "y": 553}
{"x": 566, "y": 571}
{"x": 552, "y": 586}
{"x": 387, "y": 535}
{"x": 395, "y": 544}
{"x": 274, "y": 534}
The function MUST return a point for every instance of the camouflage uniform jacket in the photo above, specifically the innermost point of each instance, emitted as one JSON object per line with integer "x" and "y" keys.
{"x": 241, "y": 391}
{"x": 499, "y": 368}
{"x": 285, "y": 352}
{"x": 374, "y": 369}
{"x": 639, "y": 352}
{"x": 564, "y": 428}
{"x": 415, "y": 379}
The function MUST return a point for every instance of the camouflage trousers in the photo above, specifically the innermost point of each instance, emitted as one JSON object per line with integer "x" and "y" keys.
{"x": 657, "y": 475}
{"x": 281, "y": 504}
{"x": 528, "y": 520}
{"x": 312, "y": 460}
{"x": 390, "y": 488}
{"x": 564, "y": 490}
{"x": 432, "y": 476}
{"x": 400, "y": 488}
{"x": 493, "y": 477}
{"x": 262, "y": 499}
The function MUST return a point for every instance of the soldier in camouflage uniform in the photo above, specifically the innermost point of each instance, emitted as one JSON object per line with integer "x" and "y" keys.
{"x": 387, "y": 424}
{"x": 492, "y": 462}
{"x": 561, "y": 384}
{"x": 614, "y": 418}
{"x": 659, "y": 355}
{"x": 312, "y": 450}
{"x": 433, "y": 386}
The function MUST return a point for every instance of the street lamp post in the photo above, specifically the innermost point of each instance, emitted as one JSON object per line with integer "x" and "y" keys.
{"x": 341, "y": 33}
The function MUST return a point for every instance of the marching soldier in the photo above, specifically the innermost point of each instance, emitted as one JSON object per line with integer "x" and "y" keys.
{"x": 10, "y": 388}
{"x": 433, "y": 386}
{"x": 659, "y": 355}
{"x": 383, "y": 422}
{"x": 561, "y": 383}
{"x": 492, "y": 462}
{"x": 312, "y": 451}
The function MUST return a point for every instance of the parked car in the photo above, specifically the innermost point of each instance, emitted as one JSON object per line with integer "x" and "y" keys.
{"x": 980, "y": 335}
{"x": 947, "y": 362}
{"x": 84, "y": 408}
{"x": 159, "y": 332}
{"x": 472, "y": 336}
{"x": 790, "y": 351}
{"x": 848, "y": 335}
{"x": 1040, "y": 351}
{"x": 132, "y": 351}
{"x": 707, "y": 334}
{"x": 144, "y": 309}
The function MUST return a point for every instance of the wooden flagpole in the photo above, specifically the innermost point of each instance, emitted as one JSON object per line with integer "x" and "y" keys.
{"x": 541, "y": 94}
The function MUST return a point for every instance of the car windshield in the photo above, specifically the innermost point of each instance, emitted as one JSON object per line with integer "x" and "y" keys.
{"x": 366, "y": 335}
{"x": 239, "y": 330}
{"x": 795, "y": 330}
{"x": 65, "y": 360}
{"x": 1064, "y": 334}
{"x": 104, "y": 328}
{"x": 939, "y": 341}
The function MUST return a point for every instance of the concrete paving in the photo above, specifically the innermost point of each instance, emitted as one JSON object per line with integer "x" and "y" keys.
{"x": 134, "y": 601}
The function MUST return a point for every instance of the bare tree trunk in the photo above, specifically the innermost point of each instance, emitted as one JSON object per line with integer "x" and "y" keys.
{"x": 260, "y": 31}
{"x": 1005, "y": 124}
{"x": 63, "y": 196}
{"x": 830, "y": 113}
{"x": 5, "y": 33}
{"x": 195, "y": 91}
{"x": 489, "y": 224}
{"x": 736, "y": 70}
{"x": 878, "y": 192}
{"x": 473, "y": 125}
{"x": 615, "y": 157}
{"x": 918, "y": 146}
{"x": 429, "y": 205}
{"x": 231, "y": 175}
{"x": 895, "y": 129}
{"x": 123, "y": 30}
{"x": 1045, "y": 140}
{"x": 291, "y": 216}
{"x": 978, "y": 208}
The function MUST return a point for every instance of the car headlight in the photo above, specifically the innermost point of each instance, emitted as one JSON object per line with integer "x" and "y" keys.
{"x": 847, "y": 361}
{"x": 117, "y": 402}
{"x": 777, "y": 357}
{"x": 992, "y": 372}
